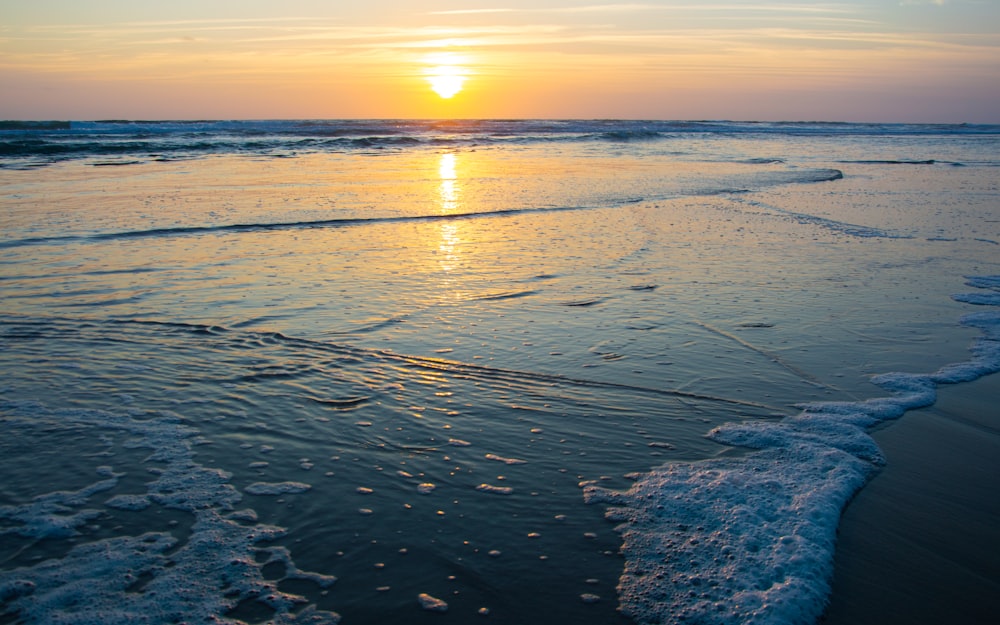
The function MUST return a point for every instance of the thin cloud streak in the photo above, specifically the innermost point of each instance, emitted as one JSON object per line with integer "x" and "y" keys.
{"x": 627, "y": 8}
{"x": 491, "y": 35}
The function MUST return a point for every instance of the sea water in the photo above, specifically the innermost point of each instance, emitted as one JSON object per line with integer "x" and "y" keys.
{"x": 396, "y": 371}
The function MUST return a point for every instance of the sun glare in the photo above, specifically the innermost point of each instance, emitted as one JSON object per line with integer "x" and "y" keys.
{"x": 446, "y": 81}
{"x": 446, "y": 74}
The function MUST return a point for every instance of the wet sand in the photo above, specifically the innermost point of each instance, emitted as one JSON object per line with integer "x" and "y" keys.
{"x": 921, "y": 543}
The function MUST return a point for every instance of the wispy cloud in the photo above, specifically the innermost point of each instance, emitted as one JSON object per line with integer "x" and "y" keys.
{"x": 470, "y": 11}
{"x": 673, "y": 8}
{"x": 593, "y": 8}
{"x": 819, "y": 38}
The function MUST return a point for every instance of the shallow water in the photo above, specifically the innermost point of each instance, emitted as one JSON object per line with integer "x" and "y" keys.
{"x": 414, "y": 363}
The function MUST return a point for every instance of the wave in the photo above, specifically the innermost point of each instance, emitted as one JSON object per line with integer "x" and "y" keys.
{"x": 797, "y": 176}
{"x": 266, "y": 226}
{"x": 625, "y": 136}
{"x": 33, "y": 125}
{"x": 251, "y": 394}
{"x": 119, "y": 330}
{"x": 751, "y": 538}
{"x": 34, "y": 143}
{"x": 748, "y": 538}
{"x": 893, "y": 162}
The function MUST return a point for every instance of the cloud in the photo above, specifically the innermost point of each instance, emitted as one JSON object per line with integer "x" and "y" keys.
{"x": 816, "y": 40}
{"x": 470, "y": 11}
{"x": 589, "y": 8}
{"x": 673, "y": 8}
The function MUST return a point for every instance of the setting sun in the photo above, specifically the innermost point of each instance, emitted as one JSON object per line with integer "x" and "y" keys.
{"x": 446, "y": 82}
{"x": 446, "y": 74}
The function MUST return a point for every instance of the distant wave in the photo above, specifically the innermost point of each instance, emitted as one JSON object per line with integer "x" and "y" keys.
{"x": 628, "y": 135}
{"x": 30, "y": 125}
{"x": 892, "y": 162}
{"x": 39, "y": 143}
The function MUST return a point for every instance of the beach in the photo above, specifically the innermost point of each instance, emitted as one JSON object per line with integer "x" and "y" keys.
{"x": 918, "y": 544}
{"x": 592, "y": 371}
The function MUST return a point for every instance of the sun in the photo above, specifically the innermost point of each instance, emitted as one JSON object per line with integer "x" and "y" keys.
{"x": 446, "y": 81}
{"x": 447, "y": 74}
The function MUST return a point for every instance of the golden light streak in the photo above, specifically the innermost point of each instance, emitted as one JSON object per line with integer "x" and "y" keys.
{"x": 448, "y": 189}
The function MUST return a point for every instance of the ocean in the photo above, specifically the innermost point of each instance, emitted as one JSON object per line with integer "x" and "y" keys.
{"x": 511, "y": 371}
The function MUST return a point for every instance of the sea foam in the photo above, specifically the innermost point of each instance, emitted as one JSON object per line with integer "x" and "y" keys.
{"x": 750, "y": 539}
{"x": 154, "y": 577}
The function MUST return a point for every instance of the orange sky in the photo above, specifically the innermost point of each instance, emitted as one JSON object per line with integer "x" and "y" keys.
{"x": 870, "y": 60}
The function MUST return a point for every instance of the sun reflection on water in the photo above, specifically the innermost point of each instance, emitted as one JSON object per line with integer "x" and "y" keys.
{"x": 448, "y": 256}
{"x": 450, "y": 204}
{"x": 449, "y": 184}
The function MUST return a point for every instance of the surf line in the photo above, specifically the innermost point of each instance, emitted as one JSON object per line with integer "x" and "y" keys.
{"x": 855, "y": 230}
{"x": 295, "y": 225}
{"x": 457, "y": 368}
{"x": 752, "y": 538}
{"x": 776, "y": 359}
{"x": 453, "y": 367}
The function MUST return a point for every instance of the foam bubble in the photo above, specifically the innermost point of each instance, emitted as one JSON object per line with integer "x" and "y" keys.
{"x": 129, "y": 502}
{"x": 509, "y": 461}
{"x": 431, "y": 604}
{"x": 52, "y": 515}
{"x": 496, "y": 490}
{"x": 276, "y": 488}
{"x": 983, "y": 282}
{"x": 244, "y": 515}
{"x": 980, "y": 299}
{"x": 734, "y": 540}
{"x": 661, "y": 445}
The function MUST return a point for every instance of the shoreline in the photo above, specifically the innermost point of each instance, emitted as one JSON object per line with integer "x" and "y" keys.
{"x": 920, "y": 543}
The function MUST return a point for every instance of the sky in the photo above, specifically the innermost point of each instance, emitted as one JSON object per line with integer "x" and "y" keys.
{"x": 862, "y": 60}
